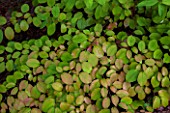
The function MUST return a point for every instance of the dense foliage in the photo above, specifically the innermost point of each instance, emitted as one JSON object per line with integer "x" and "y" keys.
{"x": 97, "y": 56}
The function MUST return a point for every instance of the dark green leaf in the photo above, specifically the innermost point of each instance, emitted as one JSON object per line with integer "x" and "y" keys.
{"x": 1, "y": 35}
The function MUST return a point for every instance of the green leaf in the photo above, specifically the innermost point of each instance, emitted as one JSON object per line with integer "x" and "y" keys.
{"x": 2, "y": 20}
{"x": 43, "y": 54}
{"x": 33, "y": 63}
{"x": 88, "y": 3}
{"x": 153, "y": 45}
{"x": 142, "y": 78}
{"x": 156, "y": 102}
{"x": 18, "y": 46}
{"x": 131, "y": 40}
{"x": 24, "y": 25}
{"x": 166, "y": 2}
{"x": 132, "y": 75}
{"x": 116, "y": 10}
{"x": 162, "y": 10}
{"x": 10, "y": 65}
{"x": 165, "y": 82}
{"x": 42, "y": 1}
{"x": 121, "y": 54}
{"x": 47, "y": 104}
{"x": 122, "y": 35}
{"x": 24, "y": 8}
{"x": 101, "y": 2}
{"x": 85, "y": 77}
{"x": 55, "y": 11}
{"x": 126, "y": 100}
{"x": 154, "y": 82}
{"x": 1, "y": 35}
{"x": 87, "y": 67}
{"x": 165, "y": 40}
{"x": 36, "y": 21}
{"x": 95, "y": 95}
{"x": 50, "y": 3}
{"x": 79, "y": 38}
{"x": 63, "y": 28}
{"x": 9, "y": 33}
{"x": 35, "y": 93}
{"x": 2, "y": 89}
{"x": 98, "y": 12}
{"x": 81, "y": 24}
{"x": 111, "y": 51}
{"x": 141, "y": 46}
{"x": 93, "y": 60}
{"x": 157, "y": 54}
{"x": 66, "y": 56}
{"x": 104, "y": 111}
{"x": 2, "y": 65}
{"x": 97, "y": 50}
{"x": 141, "y": 21}
{"x": 147, "y": 3}
{"x": 17, "y": 28}
{"x": 166, "y": 58}
{"x": 51, "y": 29}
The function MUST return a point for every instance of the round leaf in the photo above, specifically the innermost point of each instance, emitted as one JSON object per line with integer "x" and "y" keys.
{"x": 9, "y": 33}
{"x": 25, "y": 8}
{"x": 33, "y": 63}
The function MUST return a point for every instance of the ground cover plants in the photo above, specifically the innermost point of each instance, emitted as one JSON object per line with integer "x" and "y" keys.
{"x": 85, "y": 56}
